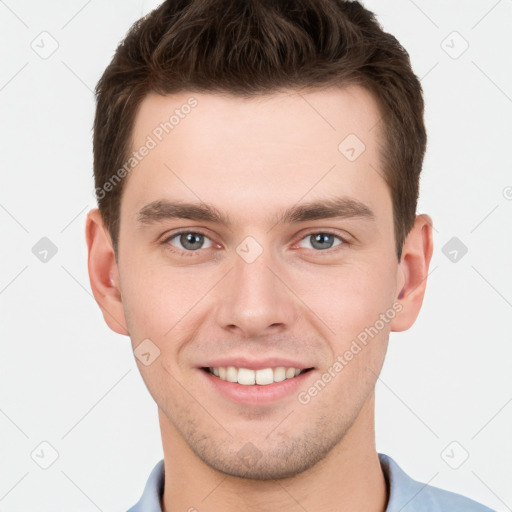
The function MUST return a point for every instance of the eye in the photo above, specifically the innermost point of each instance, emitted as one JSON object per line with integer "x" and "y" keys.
{"x": 189, "y": 241}
{"x": 323, "y": 240}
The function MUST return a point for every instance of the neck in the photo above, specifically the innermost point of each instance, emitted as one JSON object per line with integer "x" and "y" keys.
{"x": 349, "y": 478}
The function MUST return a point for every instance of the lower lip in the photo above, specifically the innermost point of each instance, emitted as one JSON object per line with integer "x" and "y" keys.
{"x": 256, "y": 394}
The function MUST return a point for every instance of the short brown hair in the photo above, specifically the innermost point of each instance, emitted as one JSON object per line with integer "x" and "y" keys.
{"x": 253, "y": 47}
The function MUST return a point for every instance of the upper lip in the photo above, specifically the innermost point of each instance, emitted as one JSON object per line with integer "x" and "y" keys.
{"x": 255, "y": 364}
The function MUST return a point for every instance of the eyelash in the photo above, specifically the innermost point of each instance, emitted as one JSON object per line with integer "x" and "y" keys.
{"x": 189, "y": 253}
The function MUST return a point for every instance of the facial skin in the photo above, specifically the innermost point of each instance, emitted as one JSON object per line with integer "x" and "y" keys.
{"x": 251, "y": 160}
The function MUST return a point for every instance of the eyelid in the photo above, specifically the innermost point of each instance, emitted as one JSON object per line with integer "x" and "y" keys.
{"x": 343, "y": 236}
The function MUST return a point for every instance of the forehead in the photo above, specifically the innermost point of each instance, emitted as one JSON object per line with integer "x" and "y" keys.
{"x": 280, "y": 147}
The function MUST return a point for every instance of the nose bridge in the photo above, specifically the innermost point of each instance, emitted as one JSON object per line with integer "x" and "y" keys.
{"x": 252, "y": 297}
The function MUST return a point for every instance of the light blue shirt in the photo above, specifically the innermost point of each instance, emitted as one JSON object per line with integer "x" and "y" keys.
{"x": 405, "y": 494}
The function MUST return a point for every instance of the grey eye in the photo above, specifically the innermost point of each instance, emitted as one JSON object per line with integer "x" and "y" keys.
{"x": 190, "y": 240}
{"x": 322, "y": 241}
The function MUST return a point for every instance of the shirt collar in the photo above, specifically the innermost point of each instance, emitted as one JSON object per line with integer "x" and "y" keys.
{"x": 150, "y": 499}
{"x": 404, "y": 493}
{"x": 403, "y": 490}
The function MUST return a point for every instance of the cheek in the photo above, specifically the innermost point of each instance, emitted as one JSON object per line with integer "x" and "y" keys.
{"x": 352, "y": 307}
{"x": 158, "y": 300}
{"x": 348, "y": 298}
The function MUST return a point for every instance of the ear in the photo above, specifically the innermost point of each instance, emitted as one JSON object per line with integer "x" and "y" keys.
{"x": 413, "y": 267}
{"x": 103, "y": 272}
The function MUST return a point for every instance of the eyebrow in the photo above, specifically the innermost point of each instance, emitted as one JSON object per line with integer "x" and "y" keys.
{"x": 340, "y": 207}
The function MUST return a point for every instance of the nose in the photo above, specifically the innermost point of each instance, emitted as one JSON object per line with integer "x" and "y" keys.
{"x": 255, "y": 297}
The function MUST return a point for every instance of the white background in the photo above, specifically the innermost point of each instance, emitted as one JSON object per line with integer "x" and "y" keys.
{"x": 68, "y": 380}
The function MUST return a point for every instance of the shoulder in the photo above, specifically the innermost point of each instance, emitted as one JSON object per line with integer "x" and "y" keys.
{"x": 409, "y": 495}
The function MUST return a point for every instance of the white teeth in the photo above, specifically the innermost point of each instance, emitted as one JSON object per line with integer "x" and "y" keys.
{"x": 246, "y": 376}
{"x": 231, "y": 374}
{"x": 265, "y": 376}
{"x": 279, "y": 374}
{"x": 249, "y": 377}
{"x": 290, "y": 372}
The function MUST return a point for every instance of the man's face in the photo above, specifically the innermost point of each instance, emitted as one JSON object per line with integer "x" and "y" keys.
{"x": 259, "y": 292}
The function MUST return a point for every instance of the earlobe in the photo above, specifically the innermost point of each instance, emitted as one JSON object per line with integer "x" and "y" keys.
{"x": 414, "y": 265}
{"x": 103, "y": 272}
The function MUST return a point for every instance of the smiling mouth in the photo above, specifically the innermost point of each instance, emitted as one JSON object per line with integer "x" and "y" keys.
{"x": 248, "y": 377}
